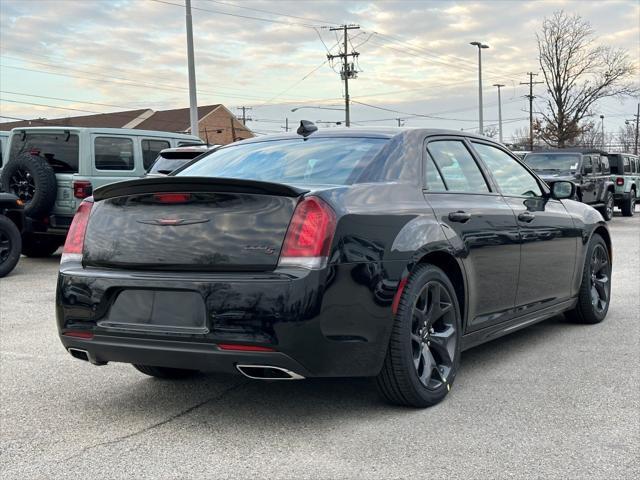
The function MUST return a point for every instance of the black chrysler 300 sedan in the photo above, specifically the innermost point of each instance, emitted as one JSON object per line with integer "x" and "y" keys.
{"x": 345, "y": 252}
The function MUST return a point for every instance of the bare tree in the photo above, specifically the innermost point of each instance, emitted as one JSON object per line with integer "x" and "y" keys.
{"x": 577, "y": 74}
{"x": 627, "y": 137}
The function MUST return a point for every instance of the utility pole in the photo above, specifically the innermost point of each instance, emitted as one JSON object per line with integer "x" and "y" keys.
{"x": 531, "y": 96}
{"x": 480, "y": 46}
{"x": 286, "y": 124}
{"x": 244, "y": 114}
{"x": 348, "y": 69}
{"x": 499, "y": 110}
{"x": 193, "y": 101}
{"x": 602, "y": 127}
{"x": 637, "y": 121}
{"x": 400, "y": 122}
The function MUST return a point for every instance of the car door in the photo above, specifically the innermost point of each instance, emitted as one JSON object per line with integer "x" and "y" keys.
{"x": 480, "y": 226}
{"x": 549, "y": 239}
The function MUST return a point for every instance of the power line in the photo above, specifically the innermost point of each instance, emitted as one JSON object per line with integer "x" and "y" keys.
{"x": 273, "y": 13}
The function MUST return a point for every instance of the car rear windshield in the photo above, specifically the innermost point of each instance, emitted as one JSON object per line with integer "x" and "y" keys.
{"x": 61, "y": 150}
{"x": 553, "y": 161}
{"x": 169, "y": 163}
{"x": 334, "y": 161}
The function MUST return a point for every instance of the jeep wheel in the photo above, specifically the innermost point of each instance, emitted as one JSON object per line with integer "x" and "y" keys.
{"x": 607, "y": 210}
{"x": 32, "y": 180}
{"x": 10, "y": 245}
{"x": 628, "y": 206}
{"x": 38, "y": 246}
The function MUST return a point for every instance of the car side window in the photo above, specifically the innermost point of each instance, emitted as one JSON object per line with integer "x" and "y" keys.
{"x": 433, "y": 179}
{"x": 627, "y": 164}
{"x": 512, "y": 178}
{"x": 459, "y": 171}
{"x": 151, "y": 149}
{"x": 114, "y": 153}
{"x": 587, "y": 164}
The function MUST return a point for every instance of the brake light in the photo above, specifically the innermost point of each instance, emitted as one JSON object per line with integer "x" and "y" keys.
{"x": 82, "y": 189}
{"x": 74, "y": 243}
{"x": 172, "y": 197}
{"x": 619, "y": 181}
{"x": 309, "y": 236}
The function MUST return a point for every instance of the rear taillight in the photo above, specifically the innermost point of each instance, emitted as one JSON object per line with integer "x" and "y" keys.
{"x": 82, "y": 189}
{"x": 309, "y": 236}
{"x": 74, "y": 244}
{"x": 619, "y": 181}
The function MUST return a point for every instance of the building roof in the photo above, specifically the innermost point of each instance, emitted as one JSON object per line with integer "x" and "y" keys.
{"x": 176, "y": 120}
{"x": 101, "y": 120}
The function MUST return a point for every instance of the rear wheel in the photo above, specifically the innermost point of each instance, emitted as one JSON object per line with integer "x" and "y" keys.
{"x": 38, "y": 246}
{"x": 424, "y": 348}
{"x": 628, "y": 206}
{"x": 595, "y": 290}
{"x": 607, "y": 210}
{"x": 10, "y": 245}
{"x": 165, "y": 372}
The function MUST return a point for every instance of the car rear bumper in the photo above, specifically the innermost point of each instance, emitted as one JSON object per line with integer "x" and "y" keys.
{"x": 319, "y": 323}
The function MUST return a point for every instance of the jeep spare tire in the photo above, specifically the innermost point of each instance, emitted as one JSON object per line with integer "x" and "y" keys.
{"x": 31, "y": 179}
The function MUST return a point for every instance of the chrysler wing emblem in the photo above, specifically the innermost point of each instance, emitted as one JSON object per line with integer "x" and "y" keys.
{"x": 172, "y": 222}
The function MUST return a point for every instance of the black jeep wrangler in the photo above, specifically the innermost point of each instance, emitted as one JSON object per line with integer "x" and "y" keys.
{"x": 11, "y": 225}
{"x": 587, "y": 168}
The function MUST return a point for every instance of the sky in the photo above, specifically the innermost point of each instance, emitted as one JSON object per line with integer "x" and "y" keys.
{"x": 66, "y": 58}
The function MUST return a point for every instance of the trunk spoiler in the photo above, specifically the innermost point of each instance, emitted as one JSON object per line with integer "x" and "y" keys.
{"x": 194, "y": 184}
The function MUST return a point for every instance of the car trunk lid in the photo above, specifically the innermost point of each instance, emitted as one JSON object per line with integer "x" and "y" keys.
{"x": 189, "y": 223}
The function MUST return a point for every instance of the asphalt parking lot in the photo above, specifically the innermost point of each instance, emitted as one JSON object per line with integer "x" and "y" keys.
{"x": 556, "y": 400}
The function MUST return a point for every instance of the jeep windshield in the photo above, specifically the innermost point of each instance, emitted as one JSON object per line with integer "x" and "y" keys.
{"x": 328, "y": 161}
{"x": 553, "y": 161}
{"x": 60, "y": 150}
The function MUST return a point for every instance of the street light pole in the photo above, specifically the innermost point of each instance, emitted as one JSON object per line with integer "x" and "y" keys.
{"x": 499, "y": 109}
{"x": 602, "y": 126}
{"x": 480, "y": 46}
{"x": 193, "y": 101}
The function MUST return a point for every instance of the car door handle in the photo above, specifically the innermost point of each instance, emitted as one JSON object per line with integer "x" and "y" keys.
{"x": 459, "y": 216}
{"x": 526, "y": 217}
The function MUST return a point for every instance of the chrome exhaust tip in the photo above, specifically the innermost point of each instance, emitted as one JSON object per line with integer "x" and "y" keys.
{"x": 267, "y": 372}
{"x": 79, "y": 354}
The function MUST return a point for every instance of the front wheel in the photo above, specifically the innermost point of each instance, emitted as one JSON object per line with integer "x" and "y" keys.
{"x": 607, "y": 210}
{"x": 165, "y": 373}
{"x": 595, "y": 290}
{"x": 424, "y": 348}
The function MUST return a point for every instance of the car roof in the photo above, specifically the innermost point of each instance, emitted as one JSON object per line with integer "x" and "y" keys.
{"x": 107, "y": 131}
{"x": 364, "y": 132}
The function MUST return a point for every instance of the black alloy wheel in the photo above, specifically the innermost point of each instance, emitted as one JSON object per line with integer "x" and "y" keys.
{"x": 22, "y": 184}
{"x": 424, "y": 346}
{"x": 10, "y": 245}
{"x": 609, "y": 203}
{"x": 594, "y": 295}
{"x": 433, "y": 335}
{"x": 600, "y": 279}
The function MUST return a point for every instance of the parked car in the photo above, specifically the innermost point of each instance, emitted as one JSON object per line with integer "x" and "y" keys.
{"x": 11, "y": 223}
{"x": 171, "y": 159}
{"x": 625, "y": 173}
{"x": 51, "y": 169}
{"x": 351, "y": 252}
{"x": 588, "y": 169}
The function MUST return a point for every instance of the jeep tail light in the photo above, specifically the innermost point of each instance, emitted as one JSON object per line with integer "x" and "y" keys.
{"x": 82, "y": 189}
{"x": 619, "y": 181}
{"x": 74, "y": 243}
{"x": 309, "y": 236}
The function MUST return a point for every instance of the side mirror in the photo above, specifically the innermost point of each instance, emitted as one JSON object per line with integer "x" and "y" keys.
{"x": 563, "y": 189}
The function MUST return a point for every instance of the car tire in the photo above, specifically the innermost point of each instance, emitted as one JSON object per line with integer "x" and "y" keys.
{"x": 607, "y": 210}
{"x": 10, "y": 246}
{"x": 32, "y": 179}
{"x": 424, "y": 348}
{"x": 165, "y": 373}
{"x": 594, "y": 295}
{"x": 40, "y": 246}
{"x": 628, "y": 206}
